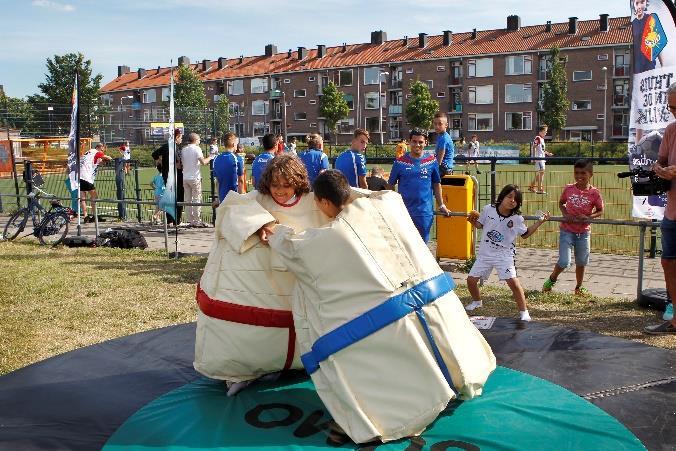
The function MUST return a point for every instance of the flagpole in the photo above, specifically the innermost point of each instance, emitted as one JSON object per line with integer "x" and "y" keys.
{"x": 77, "y": 150}
{"x": 173, "y": 137}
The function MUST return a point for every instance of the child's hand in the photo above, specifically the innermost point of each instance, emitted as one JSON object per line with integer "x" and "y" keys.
{"x": 544, "y": 216}
{"x": 472, "y": 216}
{"x": 264, "y": 234}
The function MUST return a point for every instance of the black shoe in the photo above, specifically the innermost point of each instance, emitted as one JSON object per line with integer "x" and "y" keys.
{"x": 666, "y": 328}
{"x": 478, "y": 172}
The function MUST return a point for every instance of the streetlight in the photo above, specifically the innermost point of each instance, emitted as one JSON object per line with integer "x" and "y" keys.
{"x": 380, "y": 106}
{"x": 605, "y": 101}
{"x": 124, "y": 134}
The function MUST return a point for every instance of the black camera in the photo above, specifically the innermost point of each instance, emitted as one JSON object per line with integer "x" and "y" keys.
{"x": 645, "y": 182}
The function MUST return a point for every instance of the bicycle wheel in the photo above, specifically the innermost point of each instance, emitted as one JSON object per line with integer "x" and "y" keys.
{"x": 54, "y": 229}
{"x": 15, "y": 225}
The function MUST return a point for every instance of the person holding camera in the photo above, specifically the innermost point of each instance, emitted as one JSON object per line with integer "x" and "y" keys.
{"x": 665, "y": 167}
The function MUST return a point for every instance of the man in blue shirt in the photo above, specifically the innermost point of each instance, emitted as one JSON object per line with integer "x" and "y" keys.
{"x": 352, "y": 162}
{"x": 444, "y": 149}
{"x": 418, "y": 178}
{"x": 313, "y": 158}
{"x": 229, "y": 169}
{"x": 262, "y": 160}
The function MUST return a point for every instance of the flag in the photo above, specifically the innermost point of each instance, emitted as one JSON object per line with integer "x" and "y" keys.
{"x": 654, "y": 62}
{"x": 168, "y": 199}
{"x": 73, "y": 145}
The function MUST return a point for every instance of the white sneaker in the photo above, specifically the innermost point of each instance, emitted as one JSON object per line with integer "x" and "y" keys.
{"x": 473, "y": 305}
{"x": 668, "y": 312}
{"x": 524, "y": 316}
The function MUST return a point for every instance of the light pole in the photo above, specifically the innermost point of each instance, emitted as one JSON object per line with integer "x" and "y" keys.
{"x": 124, "y": 134}
{"x": 380, "y": 104}
{"x": 605, "y": 102}
{"x": 284, "y": 113}
{"x": 50, "y": 109}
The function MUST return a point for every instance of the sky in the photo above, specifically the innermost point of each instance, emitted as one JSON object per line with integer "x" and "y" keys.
{"x": 151, "y": 33}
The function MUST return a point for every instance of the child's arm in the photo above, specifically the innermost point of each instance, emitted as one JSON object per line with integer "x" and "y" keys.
{"x": 536, "y": 225}
{"x": 473, "y": 218}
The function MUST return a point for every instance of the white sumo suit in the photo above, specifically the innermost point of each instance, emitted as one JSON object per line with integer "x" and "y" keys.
{"x": 244, "y": 323}
{"x": 386, "y": 340}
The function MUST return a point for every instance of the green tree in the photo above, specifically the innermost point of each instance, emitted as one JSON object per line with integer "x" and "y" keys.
{"x": 555, "y": 93}
{"x": 222, "y": 116}
{"x": 421, "y": 108}
{"x": 16, "y": 113}
{"x": 333, "y": 107}
{"x": 189, "y": 99}
{"x": 57, "y": 90}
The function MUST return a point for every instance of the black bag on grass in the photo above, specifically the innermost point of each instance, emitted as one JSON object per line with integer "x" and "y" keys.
{"x": 122, "y": 238}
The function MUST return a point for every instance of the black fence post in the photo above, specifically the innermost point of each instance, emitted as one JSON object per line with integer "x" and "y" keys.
{"x": 493, "y": 169}
{"x": 138, "y": 192}
{"x": 653, "y": 241}
{"x": 212, "y": 190}
{"x": 119, "y": 188}
{"x": 28, "y": 175}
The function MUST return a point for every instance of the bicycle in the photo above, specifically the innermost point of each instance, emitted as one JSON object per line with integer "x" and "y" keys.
{"x": 49, "y": 226}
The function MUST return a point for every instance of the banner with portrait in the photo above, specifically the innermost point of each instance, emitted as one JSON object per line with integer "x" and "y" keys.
{"x": 654, "y": 63}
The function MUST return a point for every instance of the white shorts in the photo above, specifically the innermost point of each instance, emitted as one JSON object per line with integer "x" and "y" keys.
{"x": 540, "y": 165}
{"x": 482, "y": 268}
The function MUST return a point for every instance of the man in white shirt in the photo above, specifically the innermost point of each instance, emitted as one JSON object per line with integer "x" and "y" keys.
{"x": 191, "y": 159}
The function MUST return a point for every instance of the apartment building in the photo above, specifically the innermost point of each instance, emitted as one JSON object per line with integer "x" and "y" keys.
{"x": 489, "y": 82}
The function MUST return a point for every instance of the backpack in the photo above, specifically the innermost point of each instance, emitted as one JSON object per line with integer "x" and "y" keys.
{"x": 122, "y": 238}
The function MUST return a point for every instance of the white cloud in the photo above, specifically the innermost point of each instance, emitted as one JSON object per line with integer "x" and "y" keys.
{"x": 65, "y": 7}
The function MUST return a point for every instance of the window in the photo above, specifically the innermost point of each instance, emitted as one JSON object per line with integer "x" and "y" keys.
{"x": 313, "y": 102}
{"x": 345, "y": 126}
{"x": 621, "y": 92}
{"x": 146, "y": 133}
{"x": 582, "y": 75}
{"x": 299, "y": 92}
{"x": 602, "y": 57}
{"x": 345, "y": 77}
{"x": 146, "y": 115}
{"x": 519, "y": 65}
{"x": 622, "y": 59}
{"x": 259, "y": 107}
{"x": 349, "y": 98}
{"x": 313, "y": 125}
{"x": 371, "y": 100}
{"x": 577, "y": 105}
{"x": 480, "y": 95}
{"x": 456, "y": 72}
{"x": 518, "y": 93}
{"x": 441, "y": 68}
{"x": 519, "y": 121}
{"x": 441, "y": 94}
{"x": 482, "y": 67}
{"x": 429, "y": 83}
{"x": 372, "y": 124}
{"x": 165, "y": 94}
{"x": 217, "y": 97}
{"x": 480, "y": 122}
{"x": 409, "y": 70}
{"x": 287, "y": 81}
{"x": 260, "y": 128}
{"x": 106, "y": 99}
{"x": 259, "y": 85}
{"x": 235, "y": 87}
{"x": 300, "y": 116}
{"x": 600, "y": 116}
{"x": 311, "y": 78}
{"x": 235, "y": 109}
{"x": 149, "y": 96}
{"x": 371, "y": 75}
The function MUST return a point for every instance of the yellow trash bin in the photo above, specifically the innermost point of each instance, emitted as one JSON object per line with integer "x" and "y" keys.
{"x": 455, "y": 238}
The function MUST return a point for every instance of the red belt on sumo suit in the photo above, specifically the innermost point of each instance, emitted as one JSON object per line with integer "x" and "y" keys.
{"x": 253, "y": 316}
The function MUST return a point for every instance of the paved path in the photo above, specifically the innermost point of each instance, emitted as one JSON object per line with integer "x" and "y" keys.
{"x": 607, "y": 274}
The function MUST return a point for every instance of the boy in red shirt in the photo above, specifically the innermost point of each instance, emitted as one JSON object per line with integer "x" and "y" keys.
{"x": 579, "y": 202}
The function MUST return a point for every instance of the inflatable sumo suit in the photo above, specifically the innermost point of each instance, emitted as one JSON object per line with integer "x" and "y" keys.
{"x": 244, "y": 323}
{"x": 386, "y": 340}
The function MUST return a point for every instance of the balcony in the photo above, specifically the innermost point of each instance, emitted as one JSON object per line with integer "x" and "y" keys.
{"x": 396, "y": 84}
{"x": 543, "y": 75}
{"x": 621, "y": 71}
{"x": 276, "y": 94}
{"x": 276, "y": 116}
{"x": 456, "y": 108}
{"x": 620, "y": 131}
{"x": 394, "y": 110}
{"x": 454, "y": 80}
{"x": 620, "y": 101}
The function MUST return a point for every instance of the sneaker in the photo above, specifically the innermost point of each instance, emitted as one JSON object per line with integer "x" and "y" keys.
{"x": 473, "y": 305}
{"x": 661, "y": 329}
{"x": 548, "y": 285}
{"x": 582, "y": 291}
{"x": 524, "y": 316}
{"x": 668, "y": 312}
{"x": 540, "y": 192}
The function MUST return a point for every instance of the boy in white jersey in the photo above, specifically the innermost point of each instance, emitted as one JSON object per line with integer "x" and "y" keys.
{"x": 501, "y": 224}
{"x": 538, "y": 150}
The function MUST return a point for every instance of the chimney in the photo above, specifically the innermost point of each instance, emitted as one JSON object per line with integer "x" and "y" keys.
{"x": 288, "y": 55}
{"x": 404, "y": 41}
{"x": 474, "y": 33}
{"x": 548, "y": 27}
{"x": 241, "y": 59}
{"x": 121, "y": 70}
{"x": 222, "y": 63}
{"x": 513, "y": 23}
{"x": 448, "y": 38}
{"x": 572, "y": 25}
{"x": 344, "y": 47}
{"x": 378, "y": 37}
{"x": 205, "y": 65}
{"x": 141, "y": 73}
{"x": 270, "y": 49}
{"x": 183, "y": 61}
{"x": 422, "y": 40}
{"x": 321, "y": 51}
{"x": 603, "y": 22}
{"x": 302, "y": 53}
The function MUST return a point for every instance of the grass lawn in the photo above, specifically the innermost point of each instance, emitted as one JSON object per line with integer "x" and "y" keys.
{"x": 57, "y": 300}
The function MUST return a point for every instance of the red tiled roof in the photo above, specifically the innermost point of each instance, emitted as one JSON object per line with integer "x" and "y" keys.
{"x": 529, "y": 38}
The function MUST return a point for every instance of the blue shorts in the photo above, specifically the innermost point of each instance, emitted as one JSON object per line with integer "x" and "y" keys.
{"x": 424, "y": 225}
{"x": 668, "y": 229}
{"x": 577, "y": 241}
